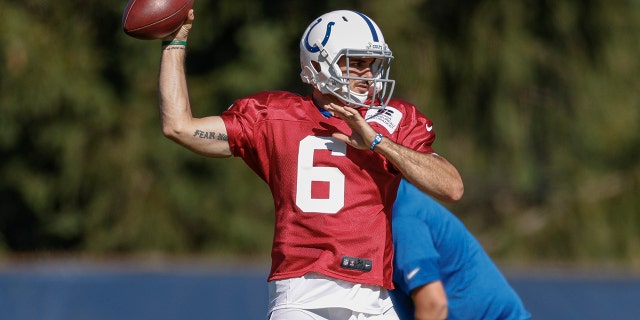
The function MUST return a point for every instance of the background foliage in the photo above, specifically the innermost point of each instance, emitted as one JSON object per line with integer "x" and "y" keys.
{"x": 535, "y": 102}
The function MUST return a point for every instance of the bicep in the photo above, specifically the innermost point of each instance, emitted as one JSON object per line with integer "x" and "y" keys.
{"x": 430, "y": 301}
{"x": 206, "y": 136}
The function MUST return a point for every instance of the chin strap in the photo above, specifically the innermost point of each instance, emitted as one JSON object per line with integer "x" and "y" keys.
{"x": 360, "y": 97}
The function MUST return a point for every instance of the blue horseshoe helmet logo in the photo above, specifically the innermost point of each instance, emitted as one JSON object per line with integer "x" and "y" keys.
{"x": 314, "y": 48}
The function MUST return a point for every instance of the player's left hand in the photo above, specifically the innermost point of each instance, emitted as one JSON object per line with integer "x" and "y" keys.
{"x": 362, "y": 134}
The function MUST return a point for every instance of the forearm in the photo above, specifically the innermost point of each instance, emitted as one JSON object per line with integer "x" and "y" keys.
{"x": 429, "y": 172}
{"x": 175, "y": 111}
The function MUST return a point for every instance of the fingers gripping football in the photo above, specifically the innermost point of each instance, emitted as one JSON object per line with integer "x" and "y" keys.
{"x": 183, "y": 32}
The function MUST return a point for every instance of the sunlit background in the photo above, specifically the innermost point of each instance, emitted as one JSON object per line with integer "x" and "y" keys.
{"x": 537, "y": 103}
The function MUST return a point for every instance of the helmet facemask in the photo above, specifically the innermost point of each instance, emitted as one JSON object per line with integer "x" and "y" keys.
{"x": 380, "y": 86}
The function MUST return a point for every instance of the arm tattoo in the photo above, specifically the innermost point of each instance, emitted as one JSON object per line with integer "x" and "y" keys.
{"x": 175, "y": 48}
{"x": 210, "y": 135}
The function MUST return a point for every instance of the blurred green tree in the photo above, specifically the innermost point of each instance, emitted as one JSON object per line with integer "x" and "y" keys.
{"x": 536, "y": 103}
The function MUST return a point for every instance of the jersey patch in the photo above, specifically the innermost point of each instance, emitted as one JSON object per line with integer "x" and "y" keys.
{"x": 356, "y": 263}
{"x": 388, "y": 117}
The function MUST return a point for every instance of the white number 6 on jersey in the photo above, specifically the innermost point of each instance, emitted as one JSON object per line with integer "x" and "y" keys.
{"x": 307, "y": 173}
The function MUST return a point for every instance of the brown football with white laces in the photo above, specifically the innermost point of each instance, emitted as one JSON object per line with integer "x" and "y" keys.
{"x": 154, "y": 19}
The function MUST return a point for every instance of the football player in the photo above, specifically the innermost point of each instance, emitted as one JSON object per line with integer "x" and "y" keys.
{"x": 332, "y": 159}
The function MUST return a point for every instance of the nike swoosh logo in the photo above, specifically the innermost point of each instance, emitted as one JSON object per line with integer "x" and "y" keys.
{"x": 413, "y": 273}
{"x": 429, "y": 128}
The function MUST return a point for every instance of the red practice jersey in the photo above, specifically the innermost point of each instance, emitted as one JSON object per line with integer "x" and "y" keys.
{"x": 332, "y": 202}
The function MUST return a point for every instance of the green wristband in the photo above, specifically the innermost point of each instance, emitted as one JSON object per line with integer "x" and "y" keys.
{"x": 174, "y": 43}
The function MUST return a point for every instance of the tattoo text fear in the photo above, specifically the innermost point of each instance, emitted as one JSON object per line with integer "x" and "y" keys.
{"x": 210, "y": 135}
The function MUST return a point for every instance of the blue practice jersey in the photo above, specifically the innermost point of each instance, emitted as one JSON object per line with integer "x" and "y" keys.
{"x": 432, "y": 244}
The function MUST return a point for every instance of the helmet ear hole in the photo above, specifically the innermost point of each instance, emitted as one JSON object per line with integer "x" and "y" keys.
{"x": 308, "y": 76}
{"x": 316, "y": 66}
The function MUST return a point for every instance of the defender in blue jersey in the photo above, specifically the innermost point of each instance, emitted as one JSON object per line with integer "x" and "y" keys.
{"x": 441, "y": 265}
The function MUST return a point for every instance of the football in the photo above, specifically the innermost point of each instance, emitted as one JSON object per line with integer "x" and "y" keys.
{"x": 154, "y": 19}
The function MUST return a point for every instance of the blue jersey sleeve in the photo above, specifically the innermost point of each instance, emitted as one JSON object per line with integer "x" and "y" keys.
{"x": 416, "y": 258}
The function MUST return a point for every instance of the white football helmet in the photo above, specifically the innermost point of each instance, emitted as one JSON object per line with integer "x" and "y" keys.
{"x": 349, "y": 34}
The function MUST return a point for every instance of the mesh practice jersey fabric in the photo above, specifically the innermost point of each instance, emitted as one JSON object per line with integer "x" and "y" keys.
{"x": 332, "y": 202}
